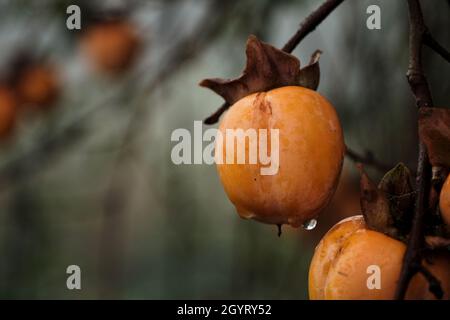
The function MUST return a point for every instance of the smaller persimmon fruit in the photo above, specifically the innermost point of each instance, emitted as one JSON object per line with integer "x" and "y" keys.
{"x": 38, "y": 86}
{"x": 339, "y": 266}
{"x": 8, "y": 110}
{"x": 444, "y": 201}
{"x": 110, "y": 45}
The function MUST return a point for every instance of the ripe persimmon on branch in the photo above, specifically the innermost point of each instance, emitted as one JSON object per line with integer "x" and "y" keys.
{"x": 308, "y": 25}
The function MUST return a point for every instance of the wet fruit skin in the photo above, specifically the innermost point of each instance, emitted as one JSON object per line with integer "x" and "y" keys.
{"x": 339, "y": 266}
{"x": 444, "y": 201}
{"x": 311, "y": 149}
{"x": 111, "y": 46}
{"x": 8, "y": 109}
{"x": 38, "y": 86}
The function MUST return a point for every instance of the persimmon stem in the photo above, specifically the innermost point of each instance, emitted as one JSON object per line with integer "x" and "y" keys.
{"x": 421, "y": 92}
{"x": 307, "y": 26}
{"x": 310, "y": 23}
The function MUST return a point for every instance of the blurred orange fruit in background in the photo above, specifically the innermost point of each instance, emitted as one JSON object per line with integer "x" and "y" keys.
{"x": 8, "y": 110}
{"x": 111, "y": 46}
{"x": 38, "y": 85}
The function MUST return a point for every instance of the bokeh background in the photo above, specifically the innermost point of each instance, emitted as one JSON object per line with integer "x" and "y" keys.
{"x": 86, "y": 176}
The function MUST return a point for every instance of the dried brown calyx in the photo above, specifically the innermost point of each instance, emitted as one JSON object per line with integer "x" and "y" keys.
{"x": 388, "y": 208}
{"x": 375, "y": 206}
{"x": 267, "y": 68}
{"x": 434, "y": 132}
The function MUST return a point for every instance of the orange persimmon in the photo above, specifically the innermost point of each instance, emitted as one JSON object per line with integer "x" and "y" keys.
{"x": 8, "y": 109}
{"x": 339, "y": 268}
{"x": 444, "y": 201}
{"x": 311, "y": 150}
{"x": 38, "y": 85}
{"x": 111, "y": 46}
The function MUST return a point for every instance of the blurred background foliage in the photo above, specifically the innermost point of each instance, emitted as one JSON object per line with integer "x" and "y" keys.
{"x": 87, "y": 179}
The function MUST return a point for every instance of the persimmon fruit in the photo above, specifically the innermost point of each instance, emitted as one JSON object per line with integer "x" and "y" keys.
{"x": 339, "y": 266}
{"x": 8, "y": 110}
{"x": 311, "y": 150}
{"x": 38, "y": 85}
{"x": 444, "y": 201}
{"x": 110, "y": 45}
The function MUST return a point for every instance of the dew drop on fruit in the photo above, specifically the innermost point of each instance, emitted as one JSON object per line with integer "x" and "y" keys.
{"x": 310, "y": 224}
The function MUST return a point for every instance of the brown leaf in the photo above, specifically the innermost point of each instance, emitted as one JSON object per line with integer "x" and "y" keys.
{"x": 310, "y": 75}
{"x": 397, "y": 186}
{"x": 375, "y": 206}
{"x": 267, "y": 68}
{"x": 434, "y": 132}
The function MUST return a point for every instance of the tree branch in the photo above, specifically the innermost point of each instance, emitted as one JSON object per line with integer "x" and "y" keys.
{"x": 310, "y": 23}
{"x": 421, "y": 92}
{"x": 367, "y": 159}
{"x": 434, "y": 283}
{"x": 306, "y": 27}
{"x": 436, "y": 46}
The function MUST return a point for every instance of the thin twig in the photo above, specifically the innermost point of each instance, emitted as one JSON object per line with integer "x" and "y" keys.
{"x": 310, "y": 23}
{"x": 307, "y": 26}
{"x": 367, "y": 159}
{"x": 434, "y": 283}
{"x": 419, "y": 87}
{"x": 429, "y": 40}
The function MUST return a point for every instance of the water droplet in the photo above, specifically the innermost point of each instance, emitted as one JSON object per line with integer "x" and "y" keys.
{"x": 279, "y": 230}
{"x": 310, "y": 224}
